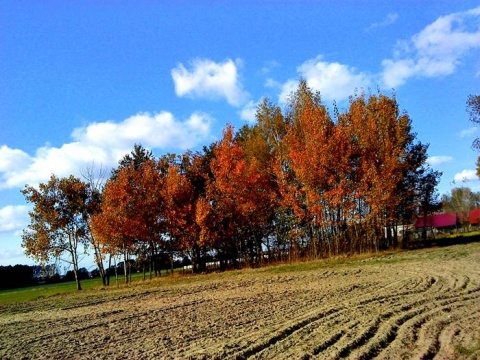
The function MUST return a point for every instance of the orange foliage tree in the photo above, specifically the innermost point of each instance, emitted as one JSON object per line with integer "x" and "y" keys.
{"x": 299, "y": 183}
{"x": 237, "y": 202}
{"x": 131, "y": 210}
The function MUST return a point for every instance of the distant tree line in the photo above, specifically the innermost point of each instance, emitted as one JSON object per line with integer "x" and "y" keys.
{"x": 18, "y": 276}
{"x": 301, "y": 182}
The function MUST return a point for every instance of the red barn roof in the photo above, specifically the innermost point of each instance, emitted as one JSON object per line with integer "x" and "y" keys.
{"x": 437, "y": 221}
{"x": 475, "y": 217}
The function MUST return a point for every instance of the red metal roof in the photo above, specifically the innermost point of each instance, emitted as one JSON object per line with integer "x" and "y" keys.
{"x": 437, "y": 221}
{"x": 475, "y": 217}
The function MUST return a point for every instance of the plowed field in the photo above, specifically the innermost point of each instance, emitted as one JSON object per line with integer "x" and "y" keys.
{"x": 420, "y": 304}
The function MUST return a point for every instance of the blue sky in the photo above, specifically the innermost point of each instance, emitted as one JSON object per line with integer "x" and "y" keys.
{"x": 82, "y": 81}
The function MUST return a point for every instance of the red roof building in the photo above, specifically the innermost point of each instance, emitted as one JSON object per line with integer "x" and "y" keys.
{"x": 437, "y": 221}
{"x": 475, "y": 217}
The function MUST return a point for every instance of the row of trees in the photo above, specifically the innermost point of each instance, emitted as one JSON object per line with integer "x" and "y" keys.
{"x": 17, "y": 276}
{"x": 299, "y": 182}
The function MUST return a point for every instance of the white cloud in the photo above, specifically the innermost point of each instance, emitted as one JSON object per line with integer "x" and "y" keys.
{"x": 438, "y": 160}
{"x": 468, "y": 132}
{"x": 334, "y": 80}
{"x": 269, "y": 66}
{"x": 287, "y": 88}
{"x": 273, "y": 84}
{"x": 390, "y": 19}
{"x": 12, "y": 159}
{"x": 11, "y": 253}
{"x": 153, "y": 130}
{"x": 13, "y": 218}
{"x": 436, "y": 50}
{"x": 14, "y": 256}
{"x": 210, "y": 80}
{"x": 103, "y": 143}
{"x": 249, "y": 112}
{"x": 466, "y": 176}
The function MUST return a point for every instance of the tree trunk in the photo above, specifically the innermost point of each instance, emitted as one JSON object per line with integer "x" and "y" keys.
{"x": 116, "y": 272}
{"x": 151, "y": 262}
{"x": 73, "y": 252}
{"x": 101, "y": 268}
{"x": 79, "y": 286}
{"x": 108, "y": 270}
{"x": 98, "y": 258}
{"x": 75, "y": 272}
{"x": 125, "y": 265}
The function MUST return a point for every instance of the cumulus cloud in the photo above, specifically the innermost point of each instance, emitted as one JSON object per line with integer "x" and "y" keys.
{"x": 12, "y": 256}
{"x": 390, "y": 19}
{"x": 287, "y": 88}
{"x": 103, "y": 143}
{"x": 438, "y": 160}
{"x": 436, "y": 50}
{"x": 13, "y": 218}
{"x": 334, "y": 80}
{"x": 468, "y": 132}
{"x": 273, "y": 84}
{"x": 466, "y": 176}
{"x": 210, "y": 80}
{"x": 269, "y": 66}
{"x": 249, "y": 112}
{"x": 12, "y": 159}
{"x": 153, "y": 130}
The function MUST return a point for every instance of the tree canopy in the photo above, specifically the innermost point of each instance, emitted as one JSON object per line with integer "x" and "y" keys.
{"x": 473, "y": 109}
{"x": 303, "y": 182}
{"x": 58, "y": 221}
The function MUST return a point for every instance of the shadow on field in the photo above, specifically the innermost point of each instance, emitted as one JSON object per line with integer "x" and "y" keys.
{"x": 443, "y": 241}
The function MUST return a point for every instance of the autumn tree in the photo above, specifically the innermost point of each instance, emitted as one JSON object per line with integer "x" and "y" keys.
{"x": 95, "y": 184}
{"x": 272, "y": 128}
{"x": 135, "y": 158}
{"x": 312, "y": 161}
{"x": 236, "y": 202}
{"x": 262, "y": 183}
{"x": 303, "y": 182}
{"x": 58, "y": 223}
{"x": 348, "y": 180}
{"x": 131, "y": 210}
{"x": 184, "y": 189}
{"x": 111, "y": 238}
{"x": 177, "y": 197}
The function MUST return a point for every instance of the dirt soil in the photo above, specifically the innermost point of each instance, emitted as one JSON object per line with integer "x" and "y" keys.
{"x": 421, "y": 304}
